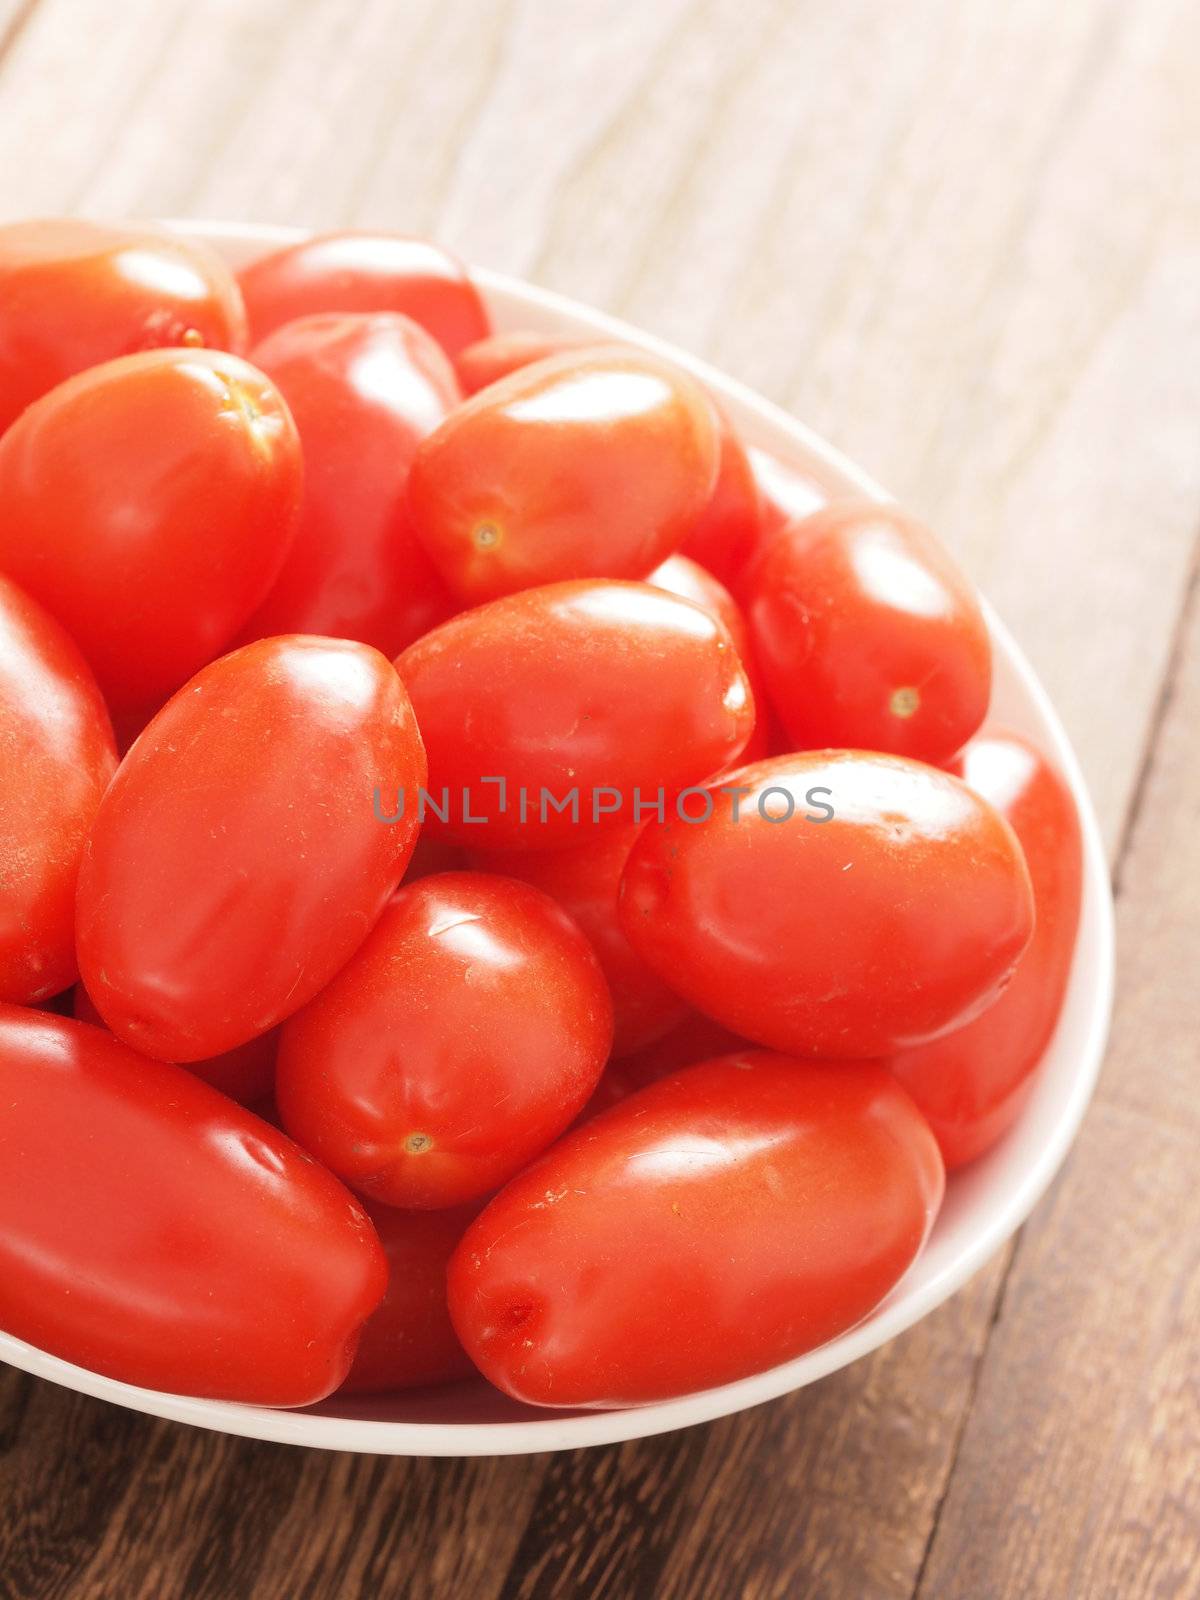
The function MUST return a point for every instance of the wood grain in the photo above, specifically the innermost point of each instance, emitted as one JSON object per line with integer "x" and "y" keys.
{"x": 963, "y": 240}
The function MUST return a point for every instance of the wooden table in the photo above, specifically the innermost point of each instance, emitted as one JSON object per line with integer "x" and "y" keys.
{"x": 962, "y": 239}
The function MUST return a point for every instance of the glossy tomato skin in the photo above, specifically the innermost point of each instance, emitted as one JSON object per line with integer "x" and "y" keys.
{"x": 717, "y": 1223}
{"x": 894, "y": 920}
{"x": 364, "y": 391}
{"x": 464, "y": 1036}
{"x": 726, "y": 533}
{"x": 868, "y": 636}
{"x": 409, "y": 1341}
{"x": 238, "y": 860}
{"x": 154, "y": 1231}
{"x": 500, "y": 354}
{"x": 593, "y": 464}
{"x": 592, "y": 687}
{"x": 74, "y": 294}
{"x": 56, "y": 757}
{"x": 787, "y": 492}
{"x": 973, "y": 1084}
{"x": 584, "y": 880}
{"x": 246, "y": 1073}
{"x": 365, "y": 272}
{"x": 149, "y": 504}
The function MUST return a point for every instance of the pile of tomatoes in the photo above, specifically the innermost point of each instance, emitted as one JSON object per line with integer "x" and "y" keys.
{"x": 495, "y": 874}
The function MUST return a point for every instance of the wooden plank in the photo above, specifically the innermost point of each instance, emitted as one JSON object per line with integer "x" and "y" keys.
{"x": 1077, "y": 1473}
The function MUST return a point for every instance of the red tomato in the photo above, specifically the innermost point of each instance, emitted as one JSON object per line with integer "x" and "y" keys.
{"x": 694, "y": 1038}
{"x": 593, "y": 464}
{"x": 153, "y": 1231}
{"x": 714, "y": 1225}
{"x": 57, "y": 757}
{"x": 410, "y": 1341}
{"x": 584, "y": 880}
{"x": 245, "y": 1074}
{"x": 690, "y": 581}
{"x": 364, "y": 391}
{"x": 499, "y": 354}
{"x": 465, "y": 1035}
{"x": 725, "y": 535}
{"x": 609, "y": 692}
{"x": 842, "y": 903}
{"x": 238, "y": 860}
{"x": 149, "y": 504}
{"x": 366, "y": 272}
{"x": 75, "y": 293}
{"x": 868, "y": 636}
{"x": 787, "y": 491}
{"x": 973, "y": 1084}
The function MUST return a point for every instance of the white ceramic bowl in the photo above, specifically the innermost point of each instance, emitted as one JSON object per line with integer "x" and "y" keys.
{"x": 984, "y": 1205}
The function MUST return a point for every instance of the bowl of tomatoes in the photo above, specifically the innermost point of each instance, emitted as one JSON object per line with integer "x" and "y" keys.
{"x": 541, "y": 907}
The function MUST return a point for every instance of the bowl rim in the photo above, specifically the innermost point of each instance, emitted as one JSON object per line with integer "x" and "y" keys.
{"x": 904, "y": 1307}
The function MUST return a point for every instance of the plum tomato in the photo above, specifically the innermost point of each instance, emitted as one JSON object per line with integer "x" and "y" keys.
{"x": 787, "y": 491}
{"x": 693, "y": 1039}
{"x": 75, "y": 293}
{"x": 593, "y": 464}
{"x": 149, "y": 504}
{"x": 715, "y": 1224}
{"x": 237, "y": 860}
{"x": 499, "y": 354}
{"x": 972, "y": 1084}
{"x": 868, "y": 636}
{"x": 364, "y": 391}
{"x": 467, "y": 1033}
{"x": 57, "y": 754}
{"x": 246, "y": 1073}
{"x": 835, "y": 903}
{"x": 365, "y": 272}
{"x": 584, "y": 880}
{"x": 573, "y": 707}
{"x": 409, "y": 1341}
{"x": 725, "y": 535}
{"x": 153, "y": 1231}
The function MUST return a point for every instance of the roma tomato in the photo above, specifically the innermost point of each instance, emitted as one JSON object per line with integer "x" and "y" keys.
{"x": 246, "y": 1073}
{"x": 364, "y": 391}
{"x": 786, "y": 491}
{"x": 410, "y": 1341}
{"x": 467, "y": 1032}
{"x": 868, "y": 636}
{"x": 499, "y": 354}
{"x": 837, "y": 903}
{"x": 153, "y": 1231}
{"x": 717, "y": 1223}
{"x": 149, "y": 505}
{"x": 56, "y": 757}
{"x": 584, "y": 880}
{"x": 75, "y": 293}
{"x": 560, "y": 710}
{"x": 593, "y": 464}
{"x": 238, "y": 860}
{"x": 694, "y": 1038}
{"x": 972, "y": 1085}
{"x": 366, "y": 272}
{"x": 726, "y": 533}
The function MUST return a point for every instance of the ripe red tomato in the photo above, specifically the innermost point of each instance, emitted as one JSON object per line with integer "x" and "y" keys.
{"x": 149, "y": 504}
{"x": 246, "y": 1073}
{"x": 410, "y": 1341}
{"x": 593, "y": 464}
{"x": 726, "y": 533}
{"x": 75, "y": 293}
{"x": 58, "y": 756}
{"x": 894, "y": 915}
{"x": 787, "y": 492}
{"x": 717, "y": 1223}
{"x": 364, "y": 391}
{"x": 366, "y": 272}
{"x": 584, "y": 880}
{"x": 237, "y": 860}
{"x": 973, "y": 1084}
{"x": 693, "y": 1039}
{"x": 868, "y": 636}
{"x": 157, "y": 1233}
{"x": 467, "y": 1032}
{"x": 499, "y": 354}
{"x": 611, "y": 692}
